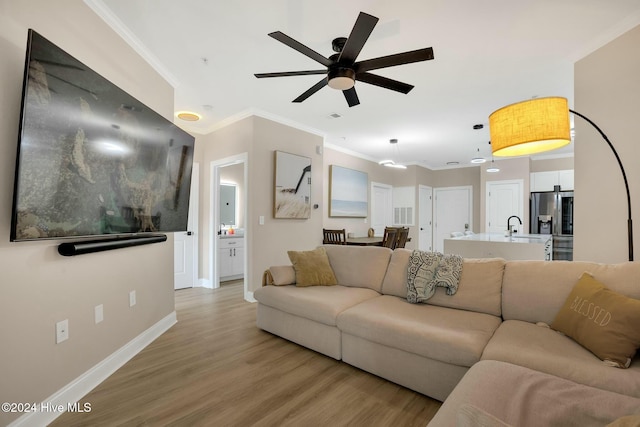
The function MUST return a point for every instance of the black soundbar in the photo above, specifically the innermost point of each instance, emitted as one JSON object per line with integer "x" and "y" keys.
{"x": 89, "y": 246}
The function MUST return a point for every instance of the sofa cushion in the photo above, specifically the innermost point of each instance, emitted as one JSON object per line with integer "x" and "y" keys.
{"x": 601, "y": 320}
{"x": 359, "y": 266}
{"x": 452, "y": 336}
{"x": 319, "y": 303}
{"x": 312, "y": 268}
{"x": 479, "y": 288}
{"x": 523, "y": 297}
{"x": 523, "y": 397}
{"x": 545, "y": 350}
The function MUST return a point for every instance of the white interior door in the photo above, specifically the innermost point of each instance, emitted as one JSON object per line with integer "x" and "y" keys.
{"x": 452, "y": 212}
{"x": 381, "y": 207}
{"x": 185, "y": 244}
{"x": 504, "y": 198}
{"x": 425, "y": 218}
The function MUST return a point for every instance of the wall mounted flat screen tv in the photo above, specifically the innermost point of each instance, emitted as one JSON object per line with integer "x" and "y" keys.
{"x": 93, "y": 160}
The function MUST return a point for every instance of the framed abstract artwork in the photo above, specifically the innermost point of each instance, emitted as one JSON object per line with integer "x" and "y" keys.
{"x": 292, "y": 188}
{"x": 348, "y": 192}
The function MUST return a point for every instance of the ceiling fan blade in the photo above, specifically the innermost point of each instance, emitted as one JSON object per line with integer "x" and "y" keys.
{"x": 351, "y": 96}
{"x": 313, "y": 89}
{"x": 384, "y": 82}
{"x": 393, "y": 60}
{"x": 359, "y": 34}
{"x": 290, "y": 73}
{"x": 294, "y": 44}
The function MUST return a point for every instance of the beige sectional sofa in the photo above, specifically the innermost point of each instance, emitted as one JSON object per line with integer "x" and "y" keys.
{"x": 499, "y": 313}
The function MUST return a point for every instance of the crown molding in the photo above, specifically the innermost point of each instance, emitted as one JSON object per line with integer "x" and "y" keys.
{"x": 123, "y": 31}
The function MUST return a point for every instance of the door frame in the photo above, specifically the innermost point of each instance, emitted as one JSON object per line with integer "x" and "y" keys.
{"x": 214, "y": 218}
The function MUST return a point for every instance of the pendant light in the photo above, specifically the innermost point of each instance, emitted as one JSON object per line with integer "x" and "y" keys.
{"x": 492, "y": 167}
{"x": 390, "y": 163}
{"x": 478, "y": 159}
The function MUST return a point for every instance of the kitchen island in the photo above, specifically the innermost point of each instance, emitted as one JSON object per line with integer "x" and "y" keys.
{"x": 497, "y": 245}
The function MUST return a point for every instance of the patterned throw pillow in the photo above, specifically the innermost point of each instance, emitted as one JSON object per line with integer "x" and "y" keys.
{"x": 601, "y": 320}
{"x": 312, "y": 268}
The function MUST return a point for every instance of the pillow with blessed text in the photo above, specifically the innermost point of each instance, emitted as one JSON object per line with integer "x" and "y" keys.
{"x": 601, "y": 320}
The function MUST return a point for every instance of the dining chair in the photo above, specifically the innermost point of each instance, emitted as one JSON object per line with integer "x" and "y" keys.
{"x": 390, "y": 237}
{"x": 334, "y": 237}
{"x": 402, "y": 237}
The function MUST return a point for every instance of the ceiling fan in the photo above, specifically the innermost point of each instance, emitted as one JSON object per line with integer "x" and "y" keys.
{"x": 342, "y": 69}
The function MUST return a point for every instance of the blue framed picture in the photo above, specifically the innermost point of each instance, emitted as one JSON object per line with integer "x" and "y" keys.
{"x": 348, "y": 192}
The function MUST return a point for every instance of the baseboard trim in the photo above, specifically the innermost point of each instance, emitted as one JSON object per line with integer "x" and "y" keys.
{"x": 78, "y": 388}
{"x": 205, "y": 283}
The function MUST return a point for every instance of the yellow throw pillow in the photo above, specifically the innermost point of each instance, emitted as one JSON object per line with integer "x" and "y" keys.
{"x": 312, "y": 268}
{"x": 601, "y": 320}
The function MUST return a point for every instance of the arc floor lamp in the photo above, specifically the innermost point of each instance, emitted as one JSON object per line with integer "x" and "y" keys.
{"x": 538, "y": 125}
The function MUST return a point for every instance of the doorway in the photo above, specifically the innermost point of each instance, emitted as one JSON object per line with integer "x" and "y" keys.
{"x": 381, "y": 207}
{"x": 185, "y": 243}
{"x": 504, "y": 198}
{"x": 215, "y": 222}
{"x": 425, "y": 218}
{"x": 453, "y": 211}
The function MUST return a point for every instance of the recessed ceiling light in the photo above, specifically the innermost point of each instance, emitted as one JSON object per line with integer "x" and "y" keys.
{"x": 453, "y": 163}
{"x": 188, "y": 116}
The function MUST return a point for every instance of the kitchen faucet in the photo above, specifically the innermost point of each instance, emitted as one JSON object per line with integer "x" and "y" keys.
{"x": 509, "y": 223}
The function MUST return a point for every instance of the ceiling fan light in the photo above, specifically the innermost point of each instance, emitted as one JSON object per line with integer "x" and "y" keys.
{"x": 530, "y": 127}
{"x": 341, "y": 78}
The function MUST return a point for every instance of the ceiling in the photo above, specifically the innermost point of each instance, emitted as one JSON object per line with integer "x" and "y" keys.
{"x": 487, "y": 54}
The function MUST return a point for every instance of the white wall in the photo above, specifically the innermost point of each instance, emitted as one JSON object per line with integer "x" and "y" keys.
{"x": 607, "y": 90}
{"x": 38, "y": 287}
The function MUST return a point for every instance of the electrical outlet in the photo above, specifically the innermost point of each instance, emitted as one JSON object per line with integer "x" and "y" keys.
{"x": 99, "y": 313}
{"x": 62, "y": 331}
{"x": 132, "y": 298}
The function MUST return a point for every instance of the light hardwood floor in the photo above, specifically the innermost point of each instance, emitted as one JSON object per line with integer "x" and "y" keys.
{"x": 216, "y": 368}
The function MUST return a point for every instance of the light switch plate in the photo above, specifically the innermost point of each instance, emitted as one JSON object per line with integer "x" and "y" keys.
{"x": 62, "y": 331}
{"x": 99, "y": 313}
{"x": 132, "y": 298}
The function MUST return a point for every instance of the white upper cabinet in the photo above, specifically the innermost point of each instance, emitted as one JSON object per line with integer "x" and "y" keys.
{"x": 545, "y": 181}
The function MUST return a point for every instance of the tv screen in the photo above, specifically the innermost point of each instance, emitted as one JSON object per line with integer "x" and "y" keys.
{"x": 93, "y": 160}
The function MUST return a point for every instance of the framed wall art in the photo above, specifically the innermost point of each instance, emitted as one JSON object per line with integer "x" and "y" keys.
{"x": 348, "y": 192}
{"x": 292, "y": 192}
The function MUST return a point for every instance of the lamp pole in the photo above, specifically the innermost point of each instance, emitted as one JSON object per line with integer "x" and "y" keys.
{"x": 624, "y": 176}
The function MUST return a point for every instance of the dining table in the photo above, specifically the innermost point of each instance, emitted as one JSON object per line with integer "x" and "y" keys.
{"x": 365, "y": 241}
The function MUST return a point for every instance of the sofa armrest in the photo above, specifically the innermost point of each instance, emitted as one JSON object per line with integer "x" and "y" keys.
{"x": 279, "y": 275}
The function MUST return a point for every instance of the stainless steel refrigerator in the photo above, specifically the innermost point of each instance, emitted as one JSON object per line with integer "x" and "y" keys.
{"x": 552, "y": 213}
